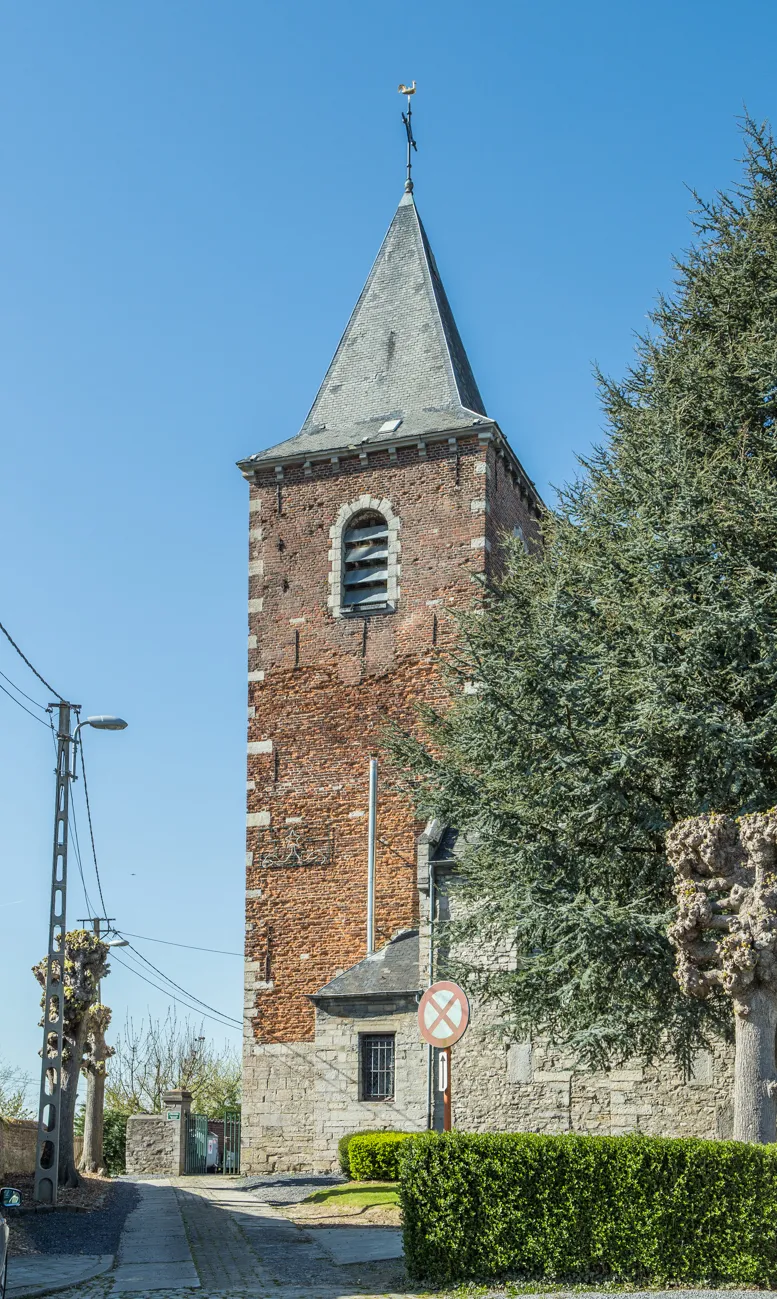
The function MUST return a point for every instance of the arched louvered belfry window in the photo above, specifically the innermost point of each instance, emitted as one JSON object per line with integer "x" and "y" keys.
{"x": 366, "y": 562}
{"x": 364, "y": 556}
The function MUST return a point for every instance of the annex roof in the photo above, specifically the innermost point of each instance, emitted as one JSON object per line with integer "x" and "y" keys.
{"x": 400, "y": 369}
{"x": 390, "y": 972}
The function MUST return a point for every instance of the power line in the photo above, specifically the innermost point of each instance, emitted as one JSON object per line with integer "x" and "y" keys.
{"x": 218, "y": 951}
{"x": 161, "y": 974}
{"x": 224, "y": 1021}
{"x": 77, "y": 848}
{"x": 91, "y": 829}
{"x": 24, "y": 707}
{"x": 21, "y": 692}
{"x": 22, "y": 656}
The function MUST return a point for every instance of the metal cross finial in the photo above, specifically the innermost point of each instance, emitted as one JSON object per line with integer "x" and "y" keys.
{"x": 407, "y": 118}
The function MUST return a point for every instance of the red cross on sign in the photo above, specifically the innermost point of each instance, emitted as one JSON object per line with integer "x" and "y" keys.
{"x": 443, "y": 1014}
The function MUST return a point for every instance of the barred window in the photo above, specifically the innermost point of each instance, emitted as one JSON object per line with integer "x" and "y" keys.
{"x": 365, "y": 562}
{"x": 377, "y": 1066}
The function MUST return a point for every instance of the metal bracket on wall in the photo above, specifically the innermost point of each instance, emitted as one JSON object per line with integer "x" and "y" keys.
{"x": 295, "y": 846}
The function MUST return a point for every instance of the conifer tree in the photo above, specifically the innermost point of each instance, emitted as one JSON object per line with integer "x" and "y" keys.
{"x": 626, "y": 671}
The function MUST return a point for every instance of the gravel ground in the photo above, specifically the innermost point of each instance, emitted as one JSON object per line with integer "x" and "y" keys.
{"x": 63, "y": 1231}
{"x": 288, "y": 1188}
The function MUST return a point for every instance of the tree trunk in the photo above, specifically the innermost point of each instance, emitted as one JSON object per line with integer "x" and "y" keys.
{"x": 92, "y": 1157}
{"x": 755, "y": 1076}
{"x": 71, "y": 1070}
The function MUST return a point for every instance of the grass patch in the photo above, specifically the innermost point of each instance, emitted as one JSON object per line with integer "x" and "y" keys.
{"x": 357, "y": 1195}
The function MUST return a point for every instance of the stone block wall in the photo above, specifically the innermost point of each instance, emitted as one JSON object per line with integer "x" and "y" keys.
{"x": 153, "y": 1145}
{"x": 338, "y": 1106}
{"x": 529, "y": 1087}
{"x": 278, "y": 1089}
{"x": 305, "y": 1096}
{"x": 156, "y": 1143}
{"x": 18, "y": 1140}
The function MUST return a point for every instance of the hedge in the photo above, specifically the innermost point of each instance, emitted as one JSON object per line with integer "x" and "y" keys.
{"x": 577, "y": 1209}
{"x": 342, "y": 1152}
{"x": 373, "y": 1156}
{"x": 114, "y": 1141}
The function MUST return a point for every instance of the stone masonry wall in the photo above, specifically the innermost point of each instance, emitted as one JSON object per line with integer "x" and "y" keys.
{"x": 18, "y": 1141}
{"x": 321, "y": 691}
{"x": 153, "y": 1144}
{"x": 338, "y": 1105}
{"x": 279, "y": 1082}
{"x": 528, "y": 1087}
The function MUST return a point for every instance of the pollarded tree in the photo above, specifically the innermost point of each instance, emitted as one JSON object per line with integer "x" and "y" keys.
{"x": 725, "y": 938}
{"x": 626, "y": 673}
{"x": 96, "y": 1055}
{"x": 86, "y": 963}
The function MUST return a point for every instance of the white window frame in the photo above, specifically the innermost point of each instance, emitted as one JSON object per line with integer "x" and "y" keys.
{"x": 336, "y": 535}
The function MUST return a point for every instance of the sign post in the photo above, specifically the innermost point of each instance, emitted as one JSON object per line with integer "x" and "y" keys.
{"x": 443, "y": 1016}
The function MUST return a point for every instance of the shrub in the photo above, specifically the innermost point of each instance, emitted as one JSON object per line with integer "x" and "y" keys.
{"x": 114, "y": 1141}
{"x": 342, "y": 1152}
{"x": 374, "y": 1156}
{"x": 574, "y": 1208}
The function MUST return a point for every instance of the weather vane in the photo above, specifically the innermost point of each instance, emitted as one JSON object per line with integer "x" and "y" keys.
{"x": 407, "y": 118}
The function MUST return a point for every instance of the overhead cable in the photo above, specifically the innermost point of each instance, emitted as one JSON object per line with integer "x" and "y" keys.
{"x": 191, "y": 947}
{"x": 77, "y": 848}
{"x": 23, "y": 693}
{"x": 161, "y": 974}
{"x": 24, "y": 707}
{"x": 34, "y": 670}
{"x": 91, "y": 828}
{"x": 224, "y": 1021}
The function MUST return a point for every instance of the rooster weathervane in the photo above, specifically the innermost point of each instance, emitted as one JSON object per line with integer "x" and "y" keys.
{"x": 407, "y": 118}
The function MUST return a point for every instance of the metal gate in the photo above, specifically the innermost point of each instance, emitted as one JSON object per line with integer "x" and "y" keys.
{"x": 196, "y": 1143}
{"x": 231, "y": 1163}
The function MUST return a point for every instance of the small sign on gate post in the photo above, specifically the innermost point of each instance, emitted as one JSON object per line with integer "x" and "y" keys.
{"x": 443, "y": 1016}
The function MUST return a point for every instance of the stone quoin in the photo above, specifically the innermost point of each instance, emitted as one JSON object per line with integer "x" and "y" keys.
{"x": 368, "y": 529}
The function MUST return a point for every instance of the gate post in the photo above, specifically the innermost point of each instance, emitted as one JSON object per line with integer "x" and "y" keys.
{"x": 176, "y": 1106}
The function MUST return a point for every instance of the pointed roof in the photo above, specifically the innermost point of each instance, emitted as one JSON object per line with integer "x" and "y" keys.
{"x": 401, "y": 357}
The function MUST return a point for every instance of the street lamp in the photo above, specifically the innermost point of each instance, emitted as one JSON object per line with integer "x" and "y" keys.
{"x": 103, "y": 722}
{"x": 49, "y": 1107}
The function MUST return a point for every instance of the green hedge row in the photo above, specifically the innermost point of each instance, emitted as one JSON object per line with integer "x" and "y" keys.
{"x": 575, "y": 1208}
{"x": 373, "y": 1158}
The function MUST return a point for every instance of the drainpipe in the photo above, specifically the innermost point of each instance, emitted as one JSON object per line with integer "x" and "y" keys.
{"x": 371, "y": 856}
{"x": 430, "y": 981}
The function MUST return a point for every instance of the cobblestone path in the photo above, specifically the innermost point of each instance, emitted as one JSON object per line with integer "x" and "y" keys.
{"x": 240, "y": 1244}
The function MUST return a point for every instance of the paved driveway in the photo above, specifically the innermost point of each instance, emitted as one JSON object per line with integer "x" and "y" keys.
{"x": 203, "y": 1238}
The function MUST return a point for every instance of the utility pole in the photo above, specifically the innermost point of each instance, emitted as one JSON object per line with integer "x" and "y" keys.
{"x": 50, "y": 1098}
{"x": 49, "y": 1107}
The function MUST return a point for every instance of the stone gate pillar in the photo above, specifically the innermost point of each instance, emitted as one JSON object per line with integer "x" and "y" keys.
{"x": 176, "y": 1107}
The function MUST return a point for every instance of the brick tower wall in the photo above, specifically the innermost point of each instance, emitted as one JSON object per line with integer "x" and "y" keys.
{"x": 321, "y": 692}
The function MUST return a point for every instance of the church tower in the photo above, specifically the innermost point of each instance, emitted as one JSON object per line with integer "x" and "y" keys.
{"x": 366, "y": 531}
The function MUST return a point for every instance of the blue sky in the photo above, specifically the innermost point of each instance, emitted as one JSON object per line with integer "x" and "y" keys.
{"x": 193, "y": 194}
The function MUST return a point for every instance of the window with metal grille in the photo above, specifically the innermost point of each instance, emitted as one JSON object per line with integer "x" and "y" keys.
{"x": 377, "y": 1051}
{"x": 365, "y": 563}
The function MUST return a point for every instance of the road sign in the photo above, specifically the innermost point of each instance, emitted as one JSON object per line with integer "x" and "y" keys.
{"x": 443, "y": 1014}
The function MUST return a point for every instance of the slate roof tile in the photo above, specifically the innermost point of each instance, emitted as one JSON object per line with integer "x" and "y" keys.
{"x": 401, "y": 357}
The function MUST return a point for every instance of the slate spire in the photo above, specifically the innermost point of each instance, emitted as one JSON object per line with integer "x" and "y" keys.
{"x": 401, "y": 357}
